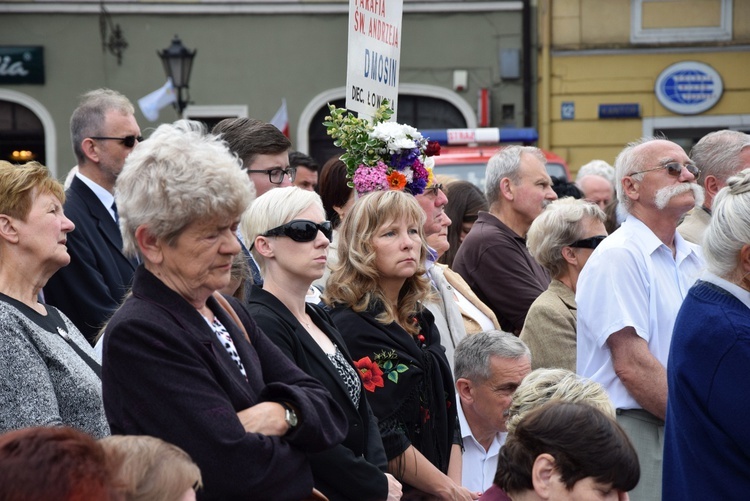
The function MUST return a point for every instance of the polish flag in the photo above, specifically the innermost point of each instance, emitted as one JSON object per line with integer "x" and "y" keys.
{"x": 281, "y": 119}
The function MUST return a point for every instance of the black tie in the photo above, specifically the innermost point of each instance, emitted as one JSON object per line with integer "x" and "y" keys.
{"x": 114, "y": 209}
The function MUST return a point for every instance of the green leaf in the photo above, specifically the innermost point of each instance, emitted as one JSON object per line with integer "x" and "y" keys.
{"x": 388, "y": 365}
{"x": 393, "y": 376}
{"x": 402, "y": 368}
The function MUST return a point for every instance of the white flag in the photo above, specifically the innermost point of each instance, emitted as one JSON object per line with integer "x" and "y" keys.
{"x": 153, "y": 102}
{"x": 281, "y": 119}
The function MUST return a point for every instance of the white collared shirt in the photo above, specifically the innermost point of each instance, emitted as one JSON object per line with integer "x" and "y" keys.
{"x": 104, "y": 196}
{"x": 478, "y": 467}
{"x": 631, "y": 280}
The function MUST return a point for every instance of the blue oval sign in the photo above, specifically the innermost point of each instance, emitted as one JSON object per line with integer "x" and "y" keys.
{"x": 689, "y": 87}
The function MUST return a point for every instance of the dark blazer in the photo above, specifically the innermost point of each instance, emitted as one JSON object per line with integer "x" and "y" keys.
{"x": 166, "y": 374}
{"x": 99, "y": 275}
{"x": 354, "y": 469}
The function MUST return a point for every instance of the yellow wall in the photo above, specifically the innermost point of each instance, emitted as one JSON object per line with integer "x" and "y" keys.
{"x": 625, "y": 77}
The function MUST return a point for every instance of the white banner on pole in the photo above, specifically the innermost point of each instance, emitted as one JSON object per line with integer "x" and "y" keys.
{"x": 374, "y": 54}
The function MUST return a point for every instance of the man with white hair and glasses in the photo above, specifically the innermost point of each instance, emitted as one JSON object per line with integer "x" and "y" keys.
{"x": 630, "y": 291}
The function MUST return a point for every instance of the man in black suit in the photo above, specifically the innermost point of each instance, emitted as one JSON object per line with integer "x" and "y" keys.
{"x": 104, "y": 131}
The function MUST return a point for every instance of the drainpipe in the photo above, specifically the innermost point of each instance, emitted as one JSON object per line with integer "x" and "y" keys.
{"x": 545, "y": 7}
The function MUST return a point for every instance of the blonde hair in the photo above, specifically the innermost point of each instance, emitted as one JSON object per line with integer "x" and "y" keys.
{"x": 274, "y": 208}
{"x": 354, "y": 282}
{"x": 20, "y": 183}
{"x": 150, "y": 468}
{"x": 544, "y": 385}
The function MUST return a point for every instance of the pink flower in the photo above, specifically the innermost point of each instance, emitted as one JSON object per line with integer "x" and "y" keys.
{"x": 367, "y": 179}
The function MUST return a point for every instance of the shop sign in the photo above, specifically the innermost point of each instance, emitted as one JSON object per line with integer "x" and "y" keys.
{"x": 21, "y": 65}
{"x": 689, "y": 87}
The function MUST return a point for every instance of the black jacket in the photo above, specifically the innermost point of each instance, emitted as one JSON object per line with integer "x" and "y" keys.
{"x": 99, "y": 275}
{"x": 355, "y": 469}
{"x": 165, "y": 374}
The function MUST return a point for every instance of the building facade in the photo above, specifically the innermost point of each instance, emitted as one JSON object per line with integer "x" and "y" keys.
{"x": 250, "y": 55}
{"x": 611, "y": 72}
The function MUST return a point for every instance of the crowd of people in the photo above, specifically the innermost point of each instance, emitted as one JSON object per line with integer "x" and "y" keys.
{"x": 210, "y": 315}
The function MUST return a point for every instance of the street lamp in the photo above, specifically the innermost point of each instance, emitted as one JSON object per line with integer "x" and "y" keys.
{"x": 178, "y": 61}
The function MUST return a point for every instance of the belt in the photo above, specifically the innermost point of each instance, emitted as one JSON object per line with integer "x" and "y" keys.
{"x": 640, "y": 414}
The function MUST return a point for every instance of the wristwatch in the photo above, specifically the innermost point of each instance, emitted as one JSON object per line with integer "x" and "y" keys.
{"x": 289, "y": 415}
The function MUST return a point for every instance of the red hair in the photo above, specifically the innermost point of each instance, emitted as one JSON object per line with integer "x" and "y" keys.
{"x": 38, "y": 464}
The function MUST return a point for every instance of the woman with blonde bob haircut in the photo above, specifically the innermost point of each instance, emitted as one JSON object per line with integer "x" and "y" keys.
{"x": 543, "y": 385}
{"x": 377, "y": 290}
{"x": 289, "y": 237}
{"x": 561, "y": 239}
{"x": 187, "y": 364}
{"x": 151, "y": 469}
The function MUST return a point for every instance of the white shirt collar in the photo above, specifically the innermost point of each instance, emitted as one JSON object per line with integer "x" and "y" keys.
{"x": 104, "y": 196}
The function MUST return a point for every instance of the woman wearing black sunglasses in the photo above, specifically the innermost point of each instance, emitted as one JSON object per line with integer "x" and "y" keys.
{"x": 561, "y": 239}
{"x": 289, "y": 235}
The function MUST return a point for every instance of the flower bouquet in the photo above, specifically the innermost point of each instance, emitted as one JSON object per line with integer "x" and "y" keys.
{"x": 382, "y": 155}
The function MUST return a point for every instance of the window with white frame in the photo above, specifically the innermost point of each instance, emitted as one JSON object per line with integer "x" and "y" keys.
{"x": 670, "y": 21}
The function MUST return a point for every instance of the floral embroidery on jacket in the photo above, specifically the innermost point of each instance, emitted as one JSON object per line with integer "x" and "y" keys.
{"x": 370, "y": 373}
{"x": 385, "y": 364}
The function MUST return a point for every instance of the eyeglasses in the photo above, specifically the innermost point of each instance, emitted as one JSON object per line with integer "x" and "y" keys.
{"x": 301, "y": 230}
{"x": 589, "y": 243}
{"x": 673, "y": 168}
{"x": 276, "y": 175}
{"x": 433, "y": 190}
{"x": 127, "y": 141}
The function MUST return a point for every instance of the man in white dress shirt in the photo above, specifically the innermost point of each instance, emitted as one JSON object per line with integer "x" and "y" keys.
{"x": 489, "y": 366}
{"x": 630, "y": 291}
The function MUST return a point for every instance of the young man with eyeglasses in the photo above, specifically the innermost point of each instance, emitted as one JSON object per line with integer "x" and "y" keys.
{"x": 103, "y": 131}
{"x": 264, "y": 151}
{"x": 493, "y": 258}
{"x": 630, "y": 291}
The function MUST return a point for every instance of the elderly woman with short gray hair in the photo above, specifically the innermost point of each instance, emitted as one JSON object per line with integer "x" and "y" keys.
{"x": 706, "y": 439}
{"x": 561, "y": 239}
{"x": 184, "y": 363}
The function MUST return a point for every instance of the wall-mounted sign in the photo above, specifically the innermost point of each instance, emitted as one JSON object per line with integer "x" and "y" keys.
{"x": 567, "y": 110}
{"x": 689, "y": 87}
{"x": 624, "y": 110}
{"x": 21, "y": 65}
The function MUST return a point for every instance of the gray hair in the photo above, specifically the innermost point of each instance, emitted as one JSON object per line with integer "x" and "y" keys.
{"x": 596, "y": 168}
{"x": 473, "y": 354}
{"x": 561, "y": 224}
{"x": 506, "y": 163}
{"x": 544, "y": 385}
{"x": 728, "y": 230}
{"x": 718, "y": 154}
{"x": 88, "y": 119}
{"x": 180, "y": 175}
{"x": 274, "y": 208}
{"x": 630, "y": 159}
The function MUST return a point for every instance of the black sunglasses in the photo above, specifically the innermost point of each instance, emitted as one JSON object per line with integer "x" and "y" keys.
{"x": 128, "y": 141}
{"x": 673, "y": 168}
{"x": 589, "y": 243}
{"x": 276, "y": 175}
{"x": 301, "y": 230}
